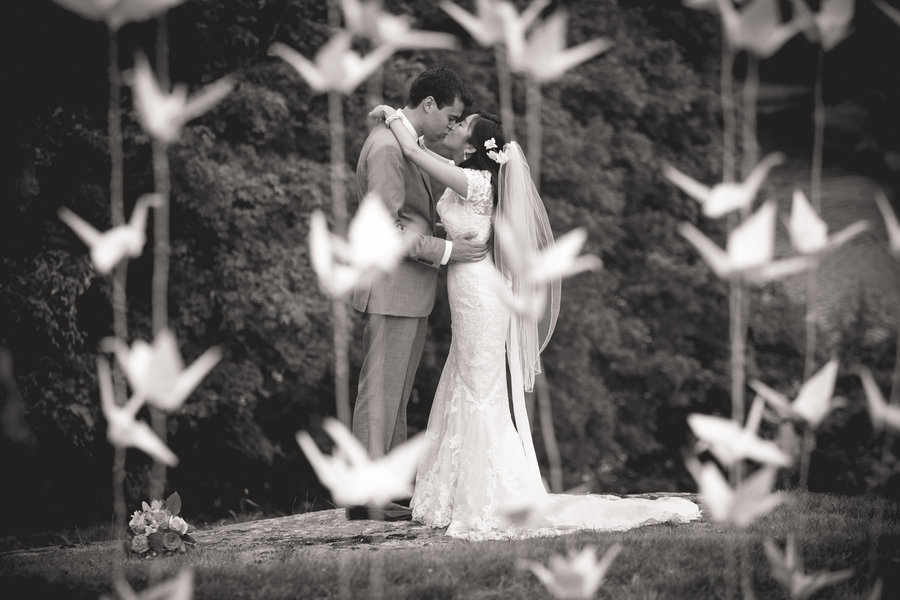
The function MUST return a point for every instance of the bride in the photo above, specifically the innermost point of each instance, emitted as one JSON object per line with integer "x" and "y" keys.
{"x": 476, "y": 461}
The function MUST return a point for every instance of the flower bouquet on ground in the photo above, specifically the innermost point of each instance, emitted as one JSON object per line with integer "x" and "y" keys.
{"x": 157, "y": 528}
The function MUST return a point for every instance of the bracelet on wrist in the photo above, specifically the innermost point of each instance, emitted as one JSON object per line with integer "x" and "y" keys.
{"x": 398, "y": 114}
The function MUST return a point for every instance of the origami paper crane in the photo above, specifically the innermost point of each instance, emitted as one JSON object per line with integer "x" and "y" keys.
{"x": 809, "y": 233}
{"x": 577, "y": 577}
{"x": 123, "y": 430}
{"x": 373, "y": 247}
{"x": 161, "y": 114}
{"x": 730, "y": 443}
{"x": 813, "y": 401}
{"x": 156, "y": 372}
{"x": 724, "y": 198}
{"x": 336, "y": 67}
{"x": 118, "y": 12}
{"x": 353, "y": 478}
{"x": 109, "y": 248}
{"x": 787, "y": 569}
{"x": 742, "y": 505}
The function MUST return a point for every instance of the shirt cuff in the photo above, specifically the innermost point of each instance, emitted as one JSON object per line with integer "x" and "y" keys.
{"x": 447, "y": 250}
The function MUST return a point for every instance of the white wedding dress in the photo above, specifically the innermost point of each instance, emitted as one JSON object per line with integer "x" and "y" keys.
{"x": 473, "y": 464}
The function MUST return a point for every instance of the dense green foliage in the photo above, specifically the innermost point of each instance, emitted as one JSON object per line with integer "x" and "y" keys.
{"x": 638, "y": 346}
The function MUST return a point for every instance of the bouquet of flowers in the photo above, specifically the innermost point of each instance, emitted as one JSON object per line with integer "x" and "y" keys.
{"x": 157, "y": 528}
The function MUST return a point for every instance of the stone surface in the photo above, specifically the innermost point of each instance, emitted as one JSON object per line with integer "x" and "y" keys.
{"x": 280, "y": 538}
{"x": 283, "y": 537}
{"x": 321, "y": 531}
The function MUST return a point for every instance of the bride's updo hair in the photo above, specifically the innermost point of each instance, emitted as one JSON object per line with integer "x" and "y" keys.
{"x": 485, "y": 127}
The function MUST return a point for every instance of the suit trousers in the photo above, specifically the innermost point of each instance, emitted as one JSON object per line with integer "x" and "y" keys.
{"x": 393, "y": 347}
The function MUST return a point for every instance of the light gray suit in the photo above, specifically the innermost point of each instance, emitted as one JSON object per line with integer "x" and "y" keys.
{"x": 396, "y": 306}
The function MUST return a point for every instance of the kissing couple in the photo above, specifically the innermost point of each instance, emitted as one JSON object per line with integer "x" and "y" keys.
{"x": 477, "y": 460}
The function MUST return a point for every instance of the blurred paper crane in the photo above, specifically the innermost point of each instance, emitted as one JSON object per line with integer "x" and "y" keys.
{"x": 108, "y": 248}
{"x": 544, "y": 55}
{"x": 882, "y": 414}
{"x": 741, "y": 506}
{"x": 369, "y": 19}
{"x": 730, "y": 443}
{"x": 525, "y": 512}
{"x": 537, "y": 269}
{"x": 123, "y": 430}
{"x": 749, "y": 250}
{"x": 723, "y": 198}
{"x": 711, "y": 5}
{"x": 830, "y": 25}
{"x": 787, "y": 569}
{"x": 163, "y": 115}
{"x": 355, "y": 479}
{"x": 538, "y": 510}
{"x": 180, "y": 587}
{"x": 577, "y": 577}
{"x": 496, "y": 21}
{"x": 892, "y": 13}
{"x": 560, "y": 260}
{"x": 809, "y": 232}
{"x": 336, "y": 66}
{"x": 373, "y": 247}
{"x": 757, "y": 27}
{"x": 890, "y": 223}
{"x": 118, "y": 12}
{"x": 157, "y": 372}
{"x": 813, "y": 401}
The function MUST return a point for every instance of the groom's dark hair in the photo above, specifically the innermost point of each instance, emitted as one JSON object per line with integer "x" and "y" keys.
{"x": 442, "y": 84}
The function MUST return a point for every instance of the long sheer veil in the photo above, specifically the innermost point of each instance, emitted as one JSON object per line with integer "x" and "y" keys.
{"x": 523, "y": 216}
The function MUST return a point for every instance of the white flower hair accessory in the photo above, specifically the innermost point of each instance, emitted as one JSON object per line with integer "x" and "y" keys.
{"x": 490, "y": 144}
{"x": 500, "y": 157}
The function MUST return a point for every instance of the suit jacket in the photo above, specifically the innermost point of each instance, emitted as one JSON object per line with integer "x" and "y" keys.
{"x": 406, "y": 192}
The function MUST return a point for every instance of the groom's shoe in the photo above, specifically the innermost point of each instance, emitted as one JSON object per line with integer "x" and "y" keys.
{"x": 394, "y": 512}
{"x": 357, "y": 513}
{"x": 391, "y": 512}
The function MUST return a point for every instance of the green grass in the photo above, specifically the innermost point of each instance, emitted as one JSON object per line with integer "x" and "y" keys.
{"x": 695, "y": 561}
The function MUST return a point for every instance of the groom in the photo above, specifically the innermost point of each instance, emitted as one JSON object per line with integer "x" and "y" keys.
{"x": 397, "y": 306}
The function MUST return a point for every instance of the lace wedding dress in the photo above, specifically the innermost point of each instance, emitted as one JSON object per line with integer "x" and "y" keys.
{"x": 473, "y": 463}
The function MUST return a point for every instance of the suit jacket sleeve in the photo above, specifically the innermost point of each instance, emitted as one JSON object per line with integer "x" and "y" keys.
{"x": 387, "y": 171}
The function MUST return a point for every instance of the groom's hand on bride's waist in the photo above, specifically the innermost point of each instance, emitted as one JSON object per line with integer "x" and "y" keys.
{"x": 468, "y": 249}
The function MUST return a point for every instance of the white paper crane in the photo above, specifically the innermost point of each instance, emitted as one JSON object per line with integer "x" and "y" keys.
{"x": 537, "y": 269}
{"x": 367, "y": 18}
{"x": 336, "y": 67}
{"x": 741, "y": 506}
{"x": 723, "y": 198}
{"x": 730, "y": 443}
{"x": 157, "y": 372}
{"x": 830, "y": 25}
{"x": 749, "y": 250}
{"x": 118, "y": 12}
{"x": 544, "y": 56}
{"x": 373, "y": 247}
{"x": 883, "y": 415}
{"x": 576, "y": 577}
{"x": 162, "y": 114}
{"x": 353, "y": 478}
{"x": 787, "y": 569}
{"x": 809, "y": 232}
{"x": 813, "y": 401}
{"x": 123, "y": 430}
{"x": 180, "y": 587}
{"x": 757, "y": 27}
{"x": 110, "y": 247}
{"x": 496, "y": 21}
